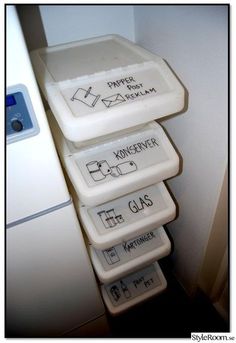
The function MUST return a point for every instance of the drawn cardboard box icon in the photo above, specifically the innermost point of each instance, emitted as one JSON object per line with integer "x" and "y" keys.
{"x": 113, "y": 100}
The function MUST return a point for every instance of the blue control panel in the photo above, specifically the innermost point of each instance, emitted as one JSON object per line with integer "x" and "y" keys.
{"x": 20, "y": 117}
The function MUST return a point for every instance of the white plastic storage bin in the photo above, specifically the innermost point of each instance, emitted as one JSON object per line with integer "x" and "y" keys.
{"x": 124, "y": 293}
{"x": 103, "y": 85}
{"x": 120, "y": 165}
{"x": 122, "y": 219}
{"x": 129, "y": 256}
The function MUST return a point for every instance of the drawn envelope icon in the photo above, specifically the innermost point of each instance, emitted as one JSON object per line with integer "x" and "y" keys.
{"x": 113, "y": 100}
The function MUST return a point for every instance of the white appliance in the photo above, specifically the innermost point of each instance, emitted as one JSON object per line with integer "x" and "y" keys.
{"x": 50, "y": 285}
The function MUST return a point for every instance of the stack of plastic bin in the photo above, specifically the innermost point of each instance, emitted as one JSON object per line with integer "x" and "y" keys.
{"x": 104, "y": 95}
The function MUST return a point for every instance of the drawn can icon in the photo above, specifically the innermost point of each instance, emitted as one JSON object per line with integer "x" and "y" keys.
{"x": 95, "y": 171}
{"x": 104, "y": 167}
{"x": 114, "y": 171}
{"x": 126, "y": 167}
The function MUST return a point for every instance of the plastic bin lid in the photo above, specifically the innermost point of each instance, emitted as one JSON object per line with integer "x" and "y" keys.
{"x": 122, "y": 294}
{"x": 103, "y": 85}
{"x": 115, "y": 167}
{"x": 119, "y": 220}
{"x": 131, "y": 255}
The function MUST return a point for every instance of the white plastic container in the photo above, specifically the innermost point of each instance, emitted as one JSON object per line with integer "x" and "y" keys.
{"x": 129, "y": 256}
{"x": 120, "y": 165}
{"x": 103, "y": 85}
{"x": 124, "y": 293}
{"x": 122, "y": 219}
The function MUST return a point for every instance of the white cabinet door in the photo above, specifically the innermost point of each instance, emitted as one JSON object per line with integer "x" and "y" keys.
{"x": 50, "y": 285}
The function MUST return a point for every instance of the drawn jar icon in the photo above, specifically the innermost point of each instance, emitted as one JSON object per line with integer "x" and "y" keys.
{"x": 94, "y": 170}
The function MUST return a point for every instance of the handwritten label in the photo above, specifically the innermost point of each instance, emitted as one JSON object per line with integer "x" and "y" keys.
{"x": 131, "y": 85}
{"x": 114, "y": 88}
{"x": 123, "y": 156}
{"x": 138, "y": 205}
{"x": 136, "y": 148}
{"x": 137, "y": 242}
{"x": 130, "y": 208}
{"x": 133, "y": 248}
{"x": 133, "y": 285}
{"x": 122, "y": 82}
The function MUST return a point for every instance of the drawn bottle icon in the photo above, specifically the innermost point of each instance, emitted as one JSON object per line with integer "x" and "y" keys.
{"x": 114, "y": 290}
{"x": 125, "y": 290}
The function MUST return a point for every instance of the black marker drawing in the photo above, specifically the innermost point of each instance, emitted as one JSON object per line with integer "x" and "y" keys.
{"x": 85, "y": 96}
{"x": 110, "y": 218}
{"x": 125, "y": 290}
{"x": 126, "y": 167}
{"x": 114, "y": 172}
{"x": 100, "y": 170}
{"x": 95, "y": 171}
{"x": 111, "y": 256}
{"x": 113, "y": 100}
{"x": 115, "y": 292}
{"x": 104, "y": 167}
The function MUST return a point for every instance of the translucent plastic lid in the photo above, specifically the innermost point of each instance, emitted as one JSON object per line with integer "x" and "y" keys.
{"x": 105, "y": 171}
{"x": 103, "y": 85}
{"x": 133, "y": 254}
{"x": 122, "y": 219}
{"x": 124, "y": 293}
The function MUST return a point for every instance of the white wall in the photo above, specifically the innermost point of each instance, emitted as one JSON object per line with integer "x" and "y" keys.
{"x": 193, "y": 40}
{"x": 63, "y": 24}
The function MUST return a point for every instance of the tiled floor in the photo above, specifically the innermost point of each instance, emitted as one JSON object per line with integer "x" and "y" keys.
{"x": 169, "y": 315}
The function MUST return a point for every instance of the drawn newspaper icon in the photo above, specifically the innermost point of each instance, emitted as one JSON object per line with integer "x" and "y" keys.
{"x": 113, "y": 100}
{"x": 86, "y": 97}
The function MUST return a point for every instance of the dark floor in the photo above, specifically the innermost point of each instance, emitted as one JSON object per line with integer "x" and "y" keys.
{"x": 170, "y": 315}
